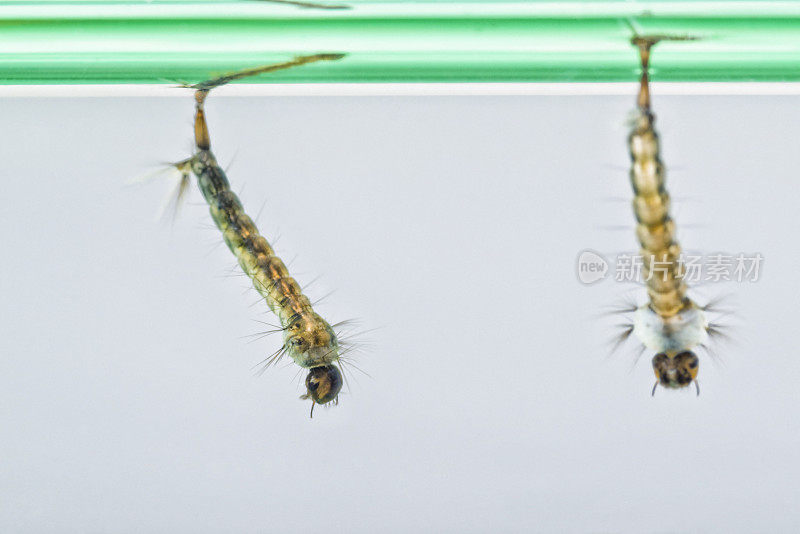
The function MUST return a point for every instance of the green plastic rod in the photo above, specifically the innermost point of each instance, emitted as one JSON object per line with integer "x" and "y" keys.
{"x": 145, "y": 42}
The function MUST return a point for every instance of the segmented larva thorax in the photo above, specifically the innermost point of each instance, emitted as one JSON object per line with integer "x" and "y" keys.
{"x": 654, "y": 228}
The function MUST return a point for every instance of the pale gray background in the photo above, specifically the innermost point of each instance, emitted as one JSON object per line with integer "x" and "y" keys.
{"x": 451, "y": 226}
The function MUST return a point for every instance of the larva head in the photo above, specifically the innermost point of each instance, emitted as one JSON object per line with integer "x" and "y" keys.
{"x": 323, "y": 384}
{"x": 675, "y": 369}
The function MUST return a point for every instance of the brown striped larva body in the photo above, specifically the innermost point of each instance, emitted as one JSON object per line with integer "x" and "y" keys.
{"x": 307, "y": 338}
{"x": 670, "y": 323}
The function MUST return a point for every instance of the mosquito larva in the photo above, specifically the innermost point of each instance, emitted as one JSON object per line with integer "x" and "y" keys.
{"x": 670, "y": 323}
{"x": 307, "y": 338}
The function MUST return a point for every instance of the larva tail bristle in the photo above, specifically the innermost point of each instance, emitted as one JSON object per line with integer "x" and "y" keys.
{"x": 355, "y": 341}
{"x": 719, "y": 332}
{"x": 352, "y": 343}
{"x": 270, "y": 360}
{"x": 624, "y": 333}
{"x": 625, "y": 306}
{"x": 177, "y": 198}
{"x": 174, "y": 200}
{"x": 720, "y": 305}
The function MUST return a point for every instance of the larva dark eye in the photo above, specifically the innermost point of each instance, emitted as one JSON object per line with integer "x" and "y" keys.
{"x": 324, "y": 383}
{"x": 687, "y": 363}
{"x": 660, "y": 362}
